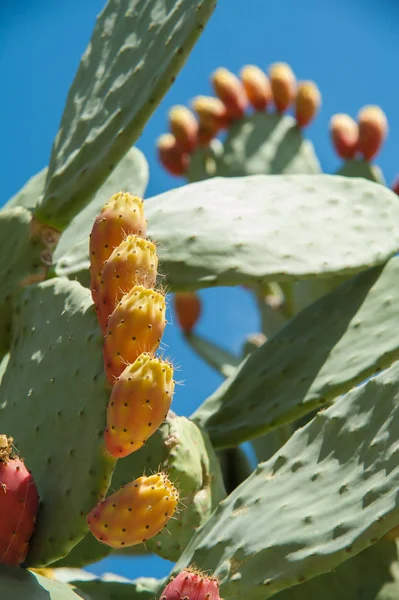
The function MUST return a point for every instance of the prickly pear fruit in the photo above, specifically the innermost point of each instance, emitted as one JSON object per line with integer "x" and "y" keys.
{"x": 122, "y": 214}
{"x": 373, "y": 129}
{"x": 344, "y": 133}
{"x": 139, "y": 402}
{"x": 19, "y": 505}
{"x": 171, "y": 157}
{"x": 191, "y": 584}
{"x": 187, "y": 307}
{"x": 283, "y": 84}
{"x": 307, "y": 104}
{"x": 135, "y": 513}
{"x": 184, "y": 126}
{"x": 257, "y": 86}
{"x": 211, "y": 112}
{"x": 133, "y": 262}
{"x": 135, "y": 326}
{"x": 231, "y": 92}
{"x": 206, "y": 134}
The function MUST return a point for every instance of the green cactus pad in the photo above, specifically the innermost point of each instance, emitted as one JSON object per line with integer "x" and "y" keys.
{"x": 305, "y": 365}
{"x": 53, "y": 399}
{"x": 362, "y": 168}
{"x": 216, "y": 357}
{"x": 112, "y": 587}
{"x": 262, "y": 228}
{"x": 134, "y": 55}
{"x": 266, "y": 144}
{"x": 30, "y": 194}
{"x": 86, "y": 552}
{"x": 71, "y": 256}
{"x": 363, "y": 577}
{"x": 19, "y": 584}
{"x": 330, "y": 492}
{"x": 203, "y": 162}
{"x": 20, "y": 263}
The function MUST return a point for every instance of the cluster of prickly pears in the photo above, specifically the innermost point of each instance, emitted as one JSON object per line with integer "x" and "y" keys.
{"x": 234, "y": 96}
{"x": 191, "y": 584}
{"x": 19, "y": 505}
{"x": 131, "y": 314}
{"x": 362, "y": 138}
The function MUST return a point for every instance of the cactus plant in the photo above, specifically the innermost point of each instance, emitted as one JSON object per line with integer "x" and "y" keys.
{"x": 86, "y": 392}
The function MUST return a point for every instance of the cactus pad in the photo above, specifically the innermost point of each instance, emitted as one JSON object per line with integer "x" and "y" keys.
{"x": 29, "y": 195}
{"x": 330, "y": 492}
{"x": 265, "y": 228}
{"x": 362, "y": 168}
{"x": 304, "y": 365}
{"x": 19, "y": 584}
{"x": 134, "y": 55}
{"x": 55, "y": 379}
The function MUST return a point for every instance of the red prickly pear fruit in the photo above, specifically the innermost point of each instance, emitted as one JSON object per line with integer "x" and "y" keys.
{"x": 187, "y": 307}
{"x": 133, "y": 262}
{"x": 191, "y": 584}
{"x": 344, "y": 133}
{"x": 19, "y": 505}
{"x": 184, "y": 126}
{"x": 139, "y": 403}
{"x": 257, "y": 87}
{"x": 122, "y": 215}
{"x": 135, "y": 513}
{"x": 206, "y": 135}
{"x": 307, "y": 103}
{"x": 395, "y": 186}
{"x": 171, "y": 157}
{"x": 211, "y": 112}
{"x": 283, "y": 84}
{"x": 231, "y": 92}
{"x": 135, "y": 326}
{"x": 373, "y": 129}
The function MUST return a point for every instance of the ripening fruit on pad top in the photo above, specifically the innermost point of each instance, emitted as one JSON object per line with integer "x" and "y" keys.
{"x": 191, "y": 584}
{"x": 231, "y": 92}
{"x": 283, "y": 84}
{"x": 135, "y": 513}
{"x": 187, "y": 307}
{"x": 139, "y": 402}
{"x": 19, "y": 504}
{"x": 135, "y": 326}
{"x": 122, "y": 215}
{"x": 133, "y": 262}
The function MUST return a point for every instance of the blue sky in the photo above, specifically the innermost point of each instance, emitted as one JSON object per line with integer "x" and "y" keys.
{"x": 349, "y": 47}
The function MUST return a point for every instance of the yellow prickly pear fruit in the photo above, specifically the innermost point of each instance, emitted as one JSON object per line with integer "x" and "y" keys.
{"x": 140, "y": 401}
{"x": 344, "y": 133}
{"x": 123, "y": 214}
{"x": 133, "y": 262}
{"x": 135, "y": 513}
{"x": 187, "y": 307}
{"x": 283, "y": 84}
{"x": 171, "y": 157}
{"x": 257, "y": 87}
{"x": 184, "y": 126}
{"x": 212, "y": 113}
{"x": 135, "y": 326}
{"x": 373, "y": 129}
{"x": 308, "y": 102}
{"x": 231, "y": 92}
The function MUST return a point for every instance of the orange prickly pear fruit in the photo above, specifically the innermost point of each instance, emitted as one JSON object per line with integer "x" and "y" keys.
{"x": 307, "y": 104}
{"x": 231, "y": 92}
{"x": 171, "y": 157}
{"x": 135, "y": 326}
{"x": 140, "y": 401}
{"x": 206, "y": 135}
{"x": 122, "y": 214}
{"x": 135, "y": 513}
{"x": 283, "y": 84}
{"x": 191, "y": 584}
{"x": 344, "y": 133}
{"x": 133, "y": 262}
{"x": 211, "y": 112}
{"x": 373, "y": 129}
{"x": 187, "y": 307}
{"x": 257, "y": 87}
{"x": 184, "y": 126}
{"x": 19, "y": 505}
